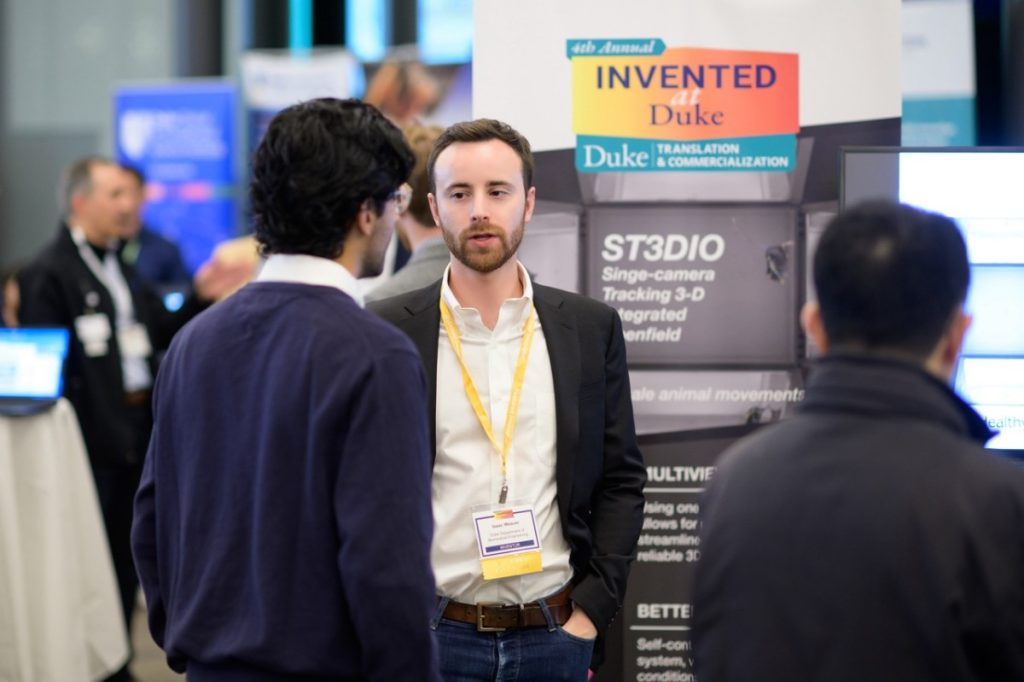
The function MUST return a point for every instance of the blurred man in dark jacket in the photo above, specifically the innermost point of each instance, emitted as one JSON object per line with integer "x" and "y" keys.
{"x": 118, "y": 325}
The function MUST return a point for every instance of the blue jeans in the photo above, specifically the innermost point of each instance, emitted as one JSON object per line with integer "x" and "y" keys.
{"x": 524, "y": 655}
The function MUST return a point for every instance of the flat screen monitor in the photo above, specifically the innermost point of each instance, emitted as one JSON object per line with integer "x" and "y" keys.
{"x": 980, "y": 189}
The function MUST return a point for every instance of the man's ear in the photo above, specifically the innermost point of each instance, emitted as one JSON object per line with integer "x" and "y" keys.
{"x": 943, "y": 359}
{"x": 366, "y": 217}
{"x": 953, "y": 340}
{"x": 814, "y": 325}
{"x": 531, "y": 200}
{"x": 75, "y": 202}
{"x": 433, "y": 208}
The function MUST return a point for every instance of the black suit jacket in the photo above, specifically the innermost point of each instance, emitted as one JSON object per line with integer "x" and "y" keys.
{"x": 599, "y": 470}
{"x": 58, "y": 287}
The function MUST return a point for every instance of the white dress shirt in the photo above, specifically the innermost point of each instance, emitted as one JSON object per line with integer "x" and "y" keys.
{"x": 467, "y": 471}
{"x": 302, "y": 269}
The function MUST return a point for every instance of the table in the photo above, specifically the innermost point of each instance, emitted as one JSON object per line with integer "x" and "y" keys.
{"x": 60, "y": 617}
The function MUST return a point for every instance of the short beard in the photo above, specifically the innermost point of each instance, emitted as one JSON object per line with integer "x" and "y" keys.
{"x": 484, "y": 261}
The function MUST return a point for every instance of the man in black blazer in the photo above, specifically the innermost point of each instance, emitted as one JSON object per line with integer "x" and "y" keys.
{"x": 871, "y": 536}
{"x": 531, "y": 413}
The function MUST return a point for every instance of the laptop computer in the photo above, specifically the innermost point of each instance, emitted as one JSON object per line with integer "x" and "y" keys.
{"x": 31, "y": 369}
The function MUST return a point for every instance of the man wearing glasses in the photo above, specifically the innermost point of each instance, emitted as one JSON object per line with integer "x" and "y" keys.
{"x": 283, "y": 523}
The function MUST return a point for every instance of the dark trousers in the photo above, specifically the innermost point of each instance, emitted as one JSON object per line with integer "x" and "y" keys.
{"x": 116, "y": 486}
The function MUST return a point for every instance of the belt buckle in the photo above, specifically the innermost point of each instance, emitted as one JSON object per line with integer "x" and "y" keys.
{"x": 480, "y": 627}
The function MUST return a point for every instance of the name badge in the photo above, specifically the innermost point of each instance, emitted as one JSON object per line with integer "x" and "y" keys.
{"x": 507, "y": 540}
{"x": 93, "y": 330}
{"x": 133, "y": 341}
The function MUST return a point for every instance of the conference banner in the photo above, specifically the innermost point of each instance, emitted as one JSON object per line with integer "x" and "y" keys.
{"x": 686, "y": 162}
{"x": 275, "y": 79}
{"x": 181, "y": 135}
{"x": 682, "y": 108}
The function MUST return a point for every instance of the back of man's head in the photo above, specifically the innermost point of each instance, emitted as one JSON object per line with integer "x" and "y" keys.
{"x": 421, "y": 139}
{"x": 318, "y": 164}
{"x": 890, "y": 278}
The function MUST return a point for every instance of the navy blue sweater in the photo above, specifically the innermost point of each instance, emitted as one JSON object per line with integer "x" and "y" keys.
{"x": 283, "y": 522}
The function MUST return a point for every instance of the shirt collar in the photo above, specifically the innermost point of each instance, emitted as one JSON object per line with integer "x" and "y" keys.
{"x": 304, "y": 269}
{"x": 78, "y": 236}
{"x": 513, "y": 310}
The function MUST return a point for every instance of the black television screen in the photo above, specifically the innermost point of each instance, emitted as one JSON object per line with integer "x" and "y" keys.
{"x": 979, "y": 188}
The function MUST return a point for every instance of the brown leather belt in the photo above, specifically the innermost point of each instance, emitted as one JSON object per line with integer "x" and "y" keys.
{"x": 137, "y": 398}
{"x": 496, "y": 617}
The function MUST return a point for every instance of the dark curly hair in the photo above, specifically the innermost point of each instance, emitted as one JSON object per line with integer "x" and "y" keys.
{"x": 318, "y": 163}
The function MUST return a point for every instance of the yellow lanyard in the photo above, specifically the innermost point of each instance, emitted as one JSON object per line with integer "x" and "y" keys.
{"x": 474, "y": 396}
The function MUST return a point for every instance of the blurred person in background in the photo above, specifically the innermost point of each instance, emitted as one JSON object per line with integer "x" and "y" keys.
{"x": 403, "y": 90}
{"x": 156, "y": 259}
{"x": 118, "y": 325}
{"x": 415, "y": 227}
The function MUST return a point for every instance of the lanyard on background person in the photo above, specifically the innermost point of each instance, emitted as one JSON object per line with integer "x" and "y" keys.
{"x": 474, "y": 397}
{"x": 109, "y": 275}
{"x": 94, "y": 330}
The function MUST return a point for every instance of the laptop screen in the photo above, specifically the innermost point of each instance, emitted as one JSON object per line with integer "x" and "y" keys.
{"x": 32, "y": 362}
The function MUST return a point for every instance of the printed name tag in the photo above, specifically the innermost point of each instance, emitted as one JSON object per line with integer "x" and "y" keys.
{"x": 507, "y": 540}
{"x": 133, "y": 341}
{"x": 93, "y": 331}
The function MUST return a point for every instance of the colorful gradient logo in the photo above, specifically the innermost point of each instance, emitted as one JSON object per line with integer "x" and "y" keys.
{"x": 740, "y": 107}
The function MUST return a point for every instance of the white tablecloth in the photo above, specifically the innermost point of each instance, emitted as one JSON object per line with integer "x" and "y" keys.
{"x": 60, "y": 619}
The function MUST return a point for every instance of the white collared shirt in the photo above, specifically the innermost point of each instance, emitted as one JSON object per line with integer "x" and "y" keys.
{"x": 303, "y": 269}
{"x": 467, "y": 471}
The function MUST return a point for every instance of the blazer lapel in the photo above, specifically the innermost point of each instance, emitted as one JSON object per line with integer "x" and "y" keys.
{"x": 562, "y": 339}
{"x": 423, "y": 325}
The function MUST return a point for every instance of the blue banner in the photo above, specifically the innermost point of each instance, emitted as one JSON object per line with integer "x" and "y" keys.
{"x": 182, "y": 137}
